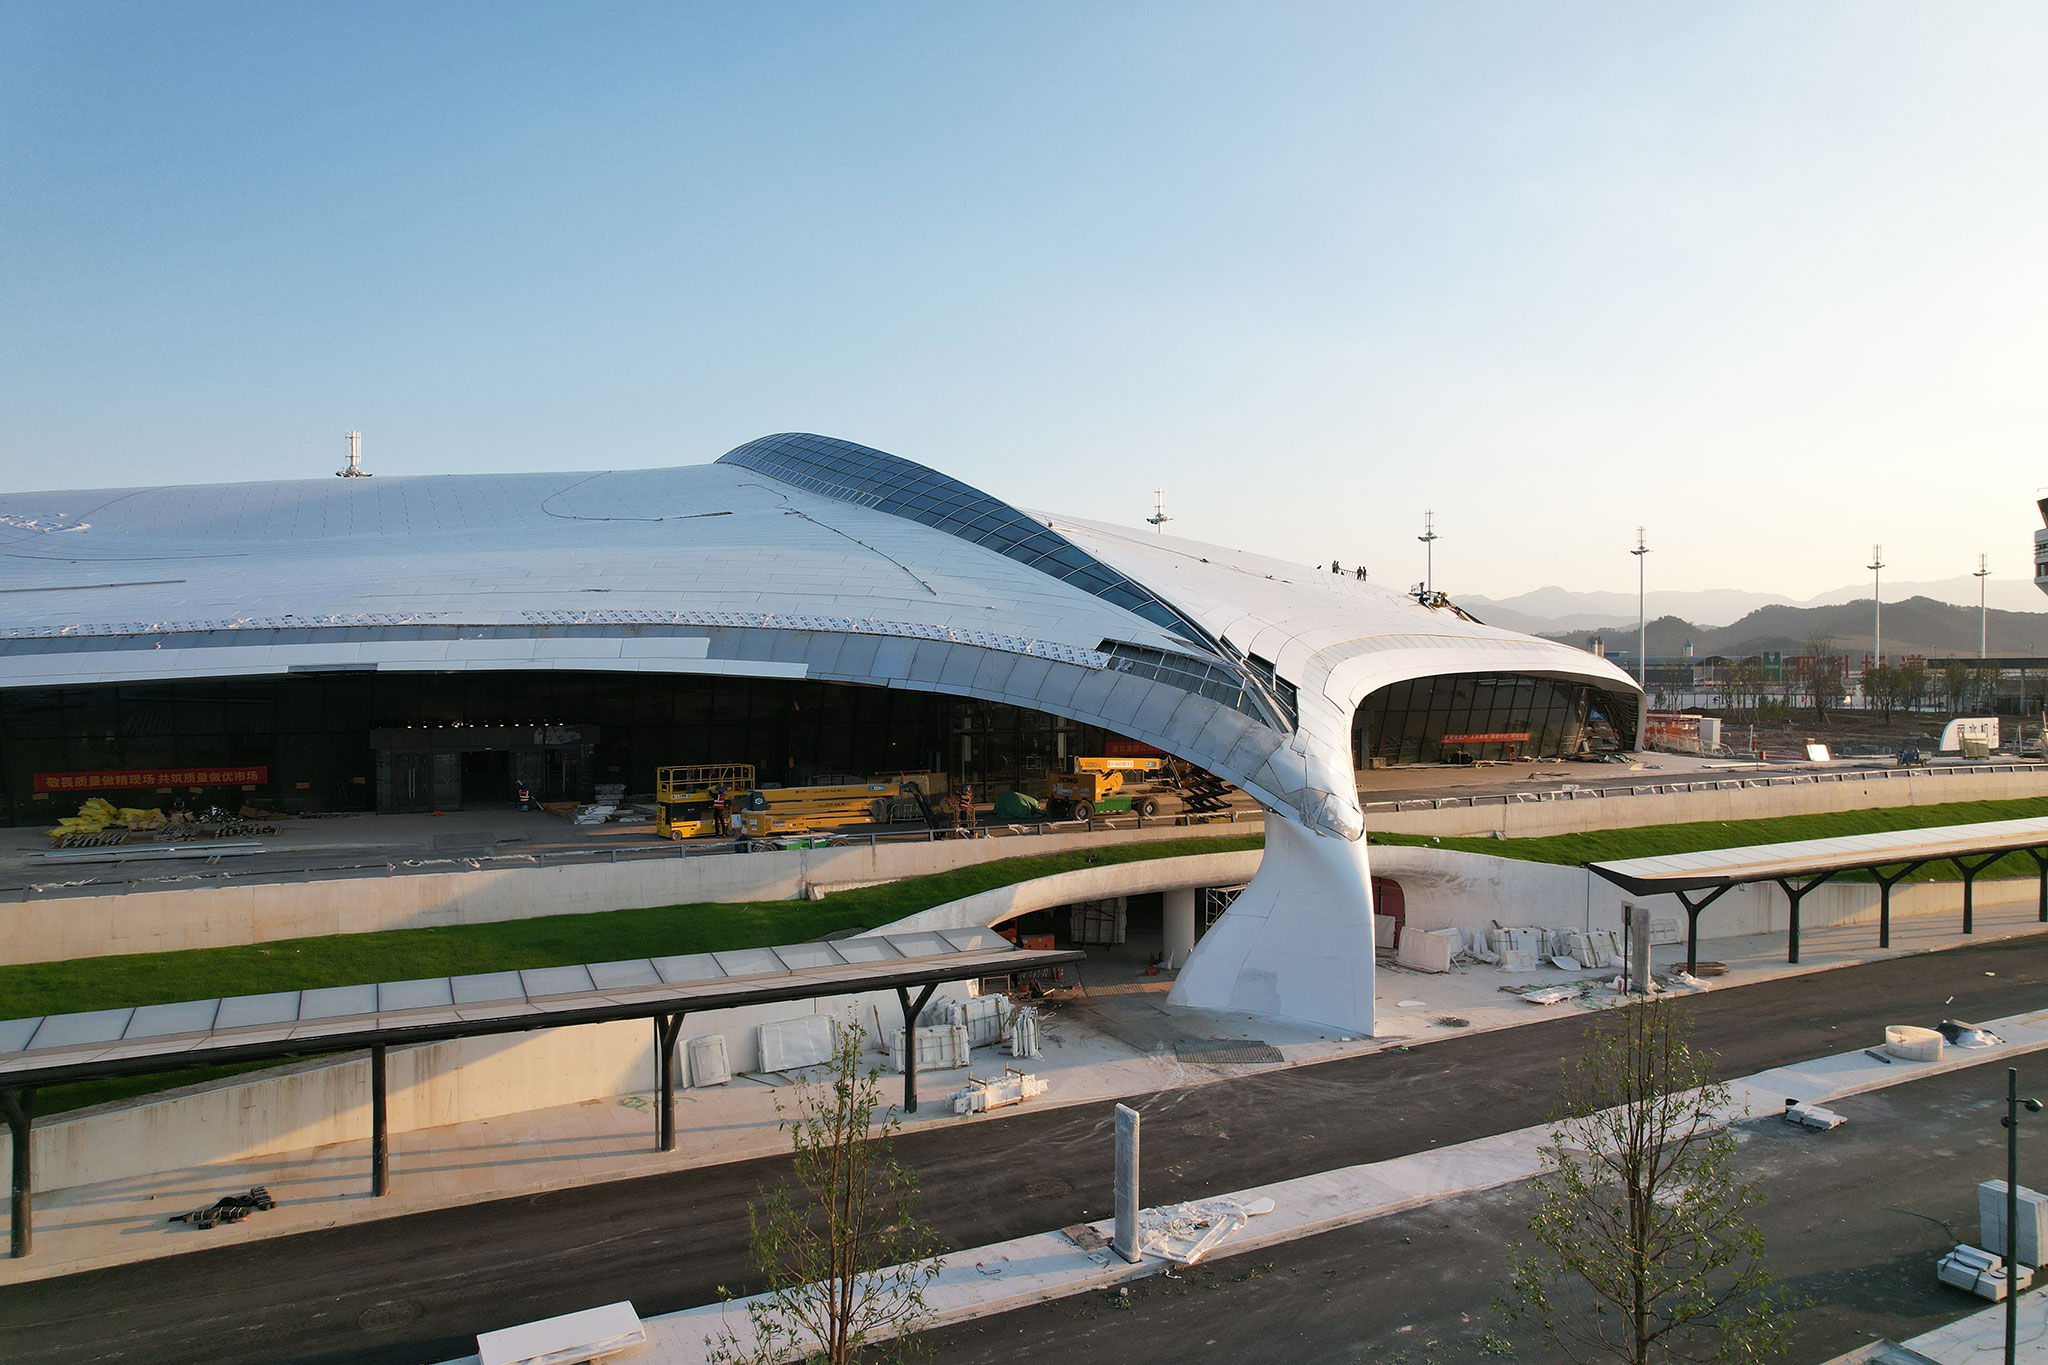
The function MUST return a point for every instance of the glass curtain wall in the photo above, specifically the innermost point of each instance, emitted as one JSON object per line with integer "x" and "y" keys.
{"x": 1424, "y": 719}
{"x": 311, "y": 733}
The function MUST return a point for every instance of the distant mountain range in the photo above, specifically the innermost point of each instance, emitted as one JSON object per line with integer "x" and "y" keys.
{"x": 1917, "y": 625}
{"x": 1551, "y": 611}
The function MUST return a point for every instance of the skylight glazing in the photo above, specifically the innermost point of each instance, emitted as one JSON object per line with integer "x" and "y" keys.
{"x": 872, "y": 478}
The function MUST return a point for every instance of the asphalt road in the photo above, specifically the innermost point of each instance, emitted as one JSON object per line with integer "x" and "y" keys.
{"x": 419, "y": 1288}
{"x": 1854, "y": 1222}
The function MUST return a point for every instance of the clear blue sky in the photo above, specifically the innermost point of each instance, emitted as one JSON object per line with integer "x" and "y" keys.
{"x": 1768, "y": 278}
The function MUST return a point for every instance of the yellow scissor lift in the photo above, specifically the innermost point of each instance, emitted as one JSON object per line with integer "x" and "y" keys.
{"x": 797, "y": 810}
{"x": 682, "y": 796}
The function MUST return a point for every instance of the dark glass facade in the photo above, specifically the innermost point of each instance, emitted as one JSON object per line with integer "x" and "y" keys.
{"x": 337, "y": 741}
{"x": 1423, "y": 719}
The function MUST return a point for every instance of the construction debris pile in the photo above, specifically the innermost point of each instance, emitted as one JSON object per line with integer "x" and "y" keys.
{"x": 231, "y": 1208}
{"x": 1185, "y": 1233}
{"x": 100, "y": 824}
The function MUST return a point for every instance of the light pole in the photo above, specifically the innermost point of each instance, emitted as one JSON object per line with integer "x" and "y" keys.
{"x": 1983, "y": 633}
{"x": 2012, "y": 1207}
{"x": 1157, "y": 521}
{"x": 1877, "y": 601}
{"x": 1642, "y": 615}
{"x": 1428, "y": 539}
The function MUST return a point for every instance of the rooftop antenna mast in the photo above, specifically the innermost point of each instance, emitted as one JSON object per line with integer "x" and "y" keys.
{"x": 355, "y": 469}
{"x": 1158, "y": 518}
{"x": 1428, "y": 539}
{"x": 1642, "y": 613}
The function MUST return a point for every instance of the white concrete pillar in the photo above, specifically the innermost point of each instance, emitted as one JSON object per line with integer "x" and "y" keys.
{"x": 1297, "y": 941}
{"x": 1180, "y": 925}
{"x": 1638, "y": 947}
{"x": 1127, "y": 1241}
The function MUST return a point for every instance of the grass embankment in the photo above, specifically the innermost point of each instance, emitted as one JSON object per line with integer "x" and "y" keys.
{"x": 1605, "y": 845}
{"x": 551, "y": 941}
{"x": 561, "y": 940}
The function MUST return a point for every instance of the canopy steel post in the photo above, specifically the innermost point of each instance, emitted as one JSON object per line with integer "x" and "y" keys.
{"x": 1796, "y": 895}
{"x": 1692, "y": 923}
{"x": 20, "y": 1106}
{"x": 380, "y": 1127}
{"x": 1884, "y": 899}
{"x": 910, "y": 1013}
{"x": 2040, "y": 857}
{"x": 1970, "y": 872}
{"x": 667, "y": 1028}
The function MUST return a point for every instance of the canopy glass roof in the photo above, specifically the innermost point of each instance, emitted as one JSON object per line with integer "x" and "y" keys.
{"x": 155, "y": 1037}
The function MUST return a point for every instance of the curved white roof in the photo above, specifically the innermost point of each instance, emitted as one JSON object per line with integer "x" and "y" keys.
{"x": 794, "y": 556}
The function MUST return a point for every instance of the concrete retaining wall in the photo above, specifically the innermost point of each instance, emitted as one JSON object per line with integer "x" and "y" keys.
{"x": 315, "y": 1103}
{"x": 212, "y": 916}
{"x": 1805, "y": 794}
{"x": 53, "y": 930}
{"x": 990, "y": 908}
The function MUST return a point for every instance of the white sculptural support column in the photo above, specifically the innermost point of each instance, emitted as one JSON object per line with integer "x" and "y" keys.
{"x": 1297, "y": 942}
{"x": 1179, "y": 925}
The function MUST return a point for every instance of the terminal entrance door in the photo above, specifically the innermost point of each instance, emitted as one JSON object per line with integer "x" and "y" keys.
{"x": 487, "y": 779}
{"x": 412, "y": 783}
{"x": 1388, "y": 900}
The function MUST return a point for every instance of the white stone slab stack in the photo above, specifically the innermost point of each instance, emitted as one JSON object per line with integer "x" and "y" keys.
{"x": 1991, "y": 1221}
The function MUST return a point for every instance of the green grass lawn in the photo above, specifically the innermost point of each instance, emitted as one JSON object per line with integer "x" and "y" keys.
{"x": 1604, "y": 845}
{"x": 552, "y": 941}
{"x": 561, "y": 940}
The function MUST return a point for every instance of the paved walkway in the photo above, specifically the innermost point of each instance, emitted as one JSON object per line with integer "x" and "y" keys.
{"x": 993, "y": 1279}
{"x": 1980, "y": 1338}
{"x": 1117, "y": 1041}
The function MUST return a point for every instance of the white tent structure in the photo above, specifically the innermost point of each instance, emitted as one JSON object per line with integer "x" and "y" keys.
{"x": 799, "y": 557}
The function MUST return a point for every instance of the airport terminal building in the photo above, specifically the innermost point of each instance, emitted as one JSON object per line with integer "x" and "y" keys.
{"x": 412, "y": 644}
{"x": 803, "y": 604}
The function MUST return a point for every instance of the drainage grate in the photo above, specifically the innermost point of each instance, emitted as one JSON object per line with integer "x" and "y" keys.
{"x": 1225, "y": 1051}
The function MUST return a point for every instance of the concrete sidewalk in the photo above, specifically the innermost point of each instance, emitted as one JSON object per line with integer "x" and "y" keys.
{"x": 1979, "y": 1339}
{"x": 982, "y": 1281}
{"x": 1116, "y": 1039}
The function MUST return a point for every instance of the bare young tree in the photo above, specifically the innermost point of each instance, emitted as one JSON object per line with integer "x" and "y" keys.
{"x": 1985, "y": 681}
{"x": 1912, "y": 684}
{"x": 846, "y": 1260}
{"x": 1646, "y": 1248}
{"x": 1881, "y": 689}
{"x": 1823, "y": 675}
{"x": 1955, "y": 686}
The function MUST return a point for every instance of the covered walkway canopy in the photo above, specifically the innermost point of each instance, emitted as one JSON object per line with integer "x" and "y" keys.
{"x": 1699, "y": 879}
{"x": 62, "y": 1048}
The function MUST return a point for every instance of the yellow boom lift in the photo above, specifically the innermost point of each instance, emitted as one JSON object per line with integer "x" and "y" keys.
{"x": 1094, "y": 787}
{"x": 682, "y": 796}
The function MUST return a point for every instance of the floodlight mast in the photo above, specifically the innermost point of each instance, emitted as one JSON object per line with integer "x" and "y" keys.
{"x": 1876, "y": 567}
{"x": 1983, "y": 631}
{"x": 1642, "y": 614}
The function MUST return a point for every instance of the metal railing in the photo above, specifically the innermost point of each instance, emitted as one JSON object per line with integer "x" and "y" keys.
{"x": 1677, "y": 788}
{"x": 191, "y": 878}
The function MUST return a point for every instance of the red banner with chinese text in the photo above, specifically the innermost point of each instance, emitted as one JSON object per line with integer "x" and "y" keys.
{"x": 1130, "y": 748}
{"x": 246, "y": 775}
